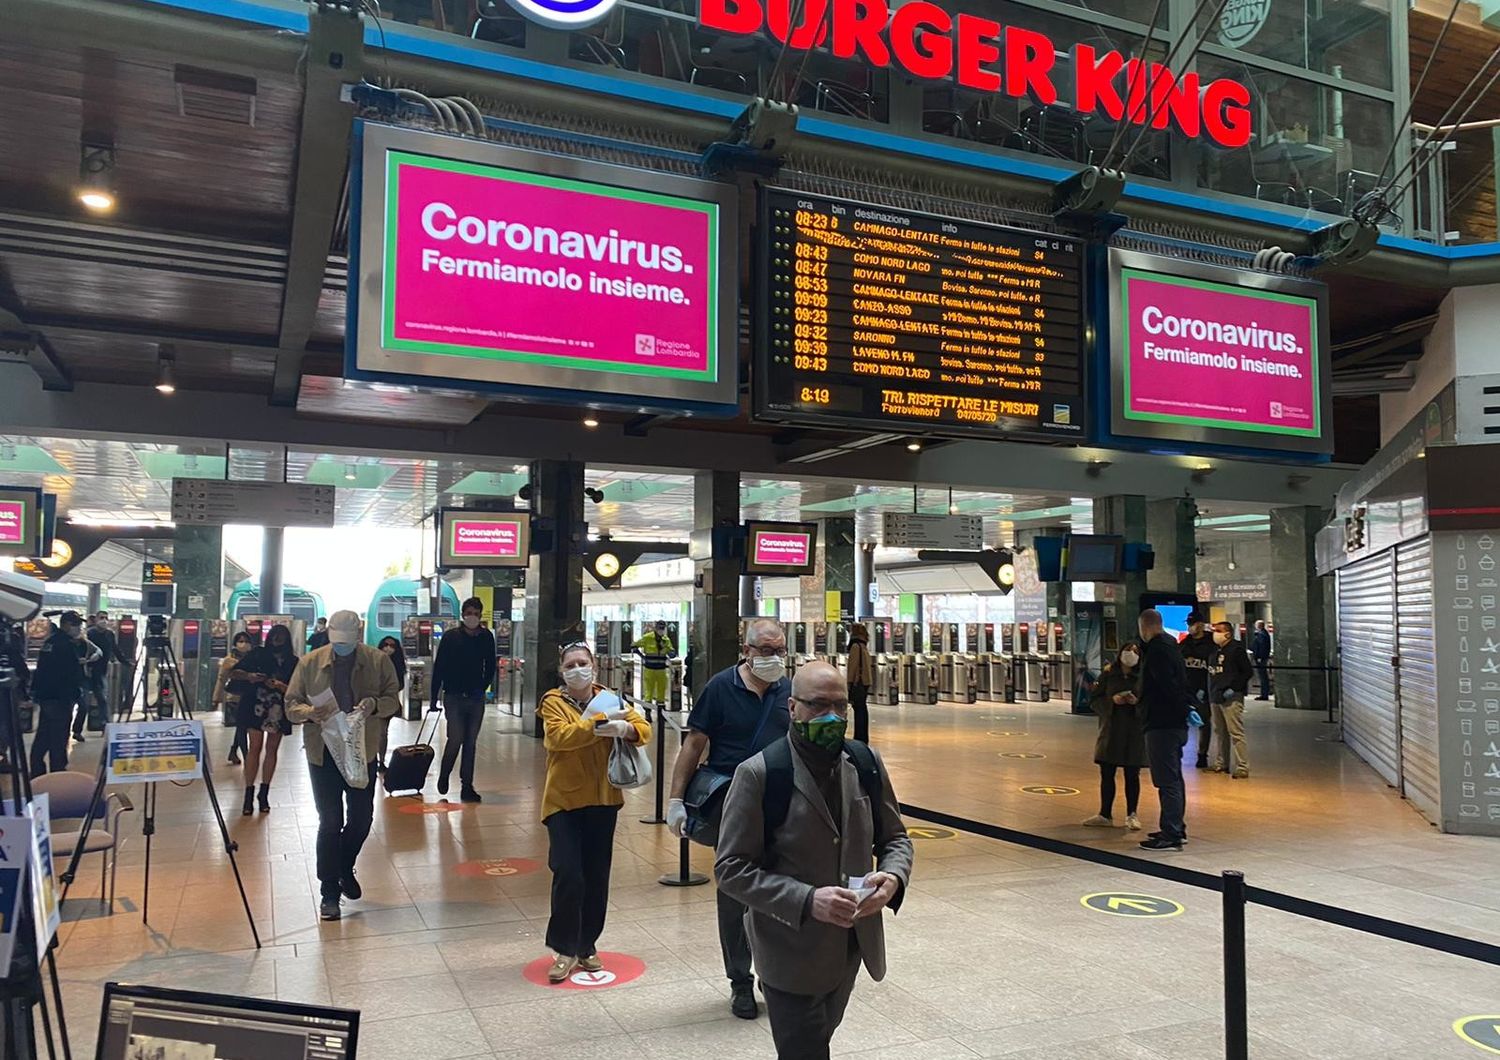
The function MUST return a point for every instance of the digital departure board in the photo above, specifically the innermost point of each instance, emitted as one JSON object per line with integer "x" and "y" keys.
{"x": 905, "y": 321}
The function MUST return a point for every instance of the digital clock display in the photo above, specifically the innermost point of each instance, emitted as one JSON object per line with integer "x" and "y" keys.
{"x": 881, "y": 317}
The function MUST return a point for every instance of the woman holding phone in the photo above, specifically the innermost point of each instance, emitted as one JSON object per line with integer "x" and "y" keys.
{"x": 580, "y": 721}
{"x": 1122, "y": 737}
{"x": 262, "y": 711}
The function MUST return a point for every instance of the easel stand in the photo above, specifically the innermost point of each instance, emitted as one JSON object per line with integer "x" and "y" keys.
{"x": 22, "y": 988}
{"x": 168, "y": 661}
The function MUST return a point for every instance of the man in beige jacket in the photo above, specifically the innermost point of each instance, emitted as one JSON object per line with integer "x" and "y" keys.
{"x": 804, "y": 824}
{"x": 343, "y": 675}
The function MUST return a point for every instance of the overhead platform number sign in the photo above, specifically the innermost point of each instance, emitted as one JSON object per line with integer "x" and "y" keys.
{"x": 519, "y": 271}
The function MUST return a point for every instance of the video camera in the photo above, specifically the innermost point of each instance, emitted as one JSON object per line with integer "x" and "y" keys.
{"x": 156, "y": 636}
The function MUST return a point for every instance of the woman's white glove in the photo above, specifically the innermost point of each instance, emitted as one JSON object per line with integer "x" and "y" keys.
{"x": 619, "y": 729}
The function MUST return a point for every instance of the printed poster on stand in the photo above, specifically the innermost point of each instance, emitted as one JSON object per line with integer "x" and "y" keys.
{"x": 15, "y": 858}
{"x": 152, "y": 751}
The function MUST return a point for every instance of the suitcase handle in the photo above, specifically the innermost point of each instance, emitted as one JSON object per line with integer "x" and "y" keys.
{"x": 436, "y": 712}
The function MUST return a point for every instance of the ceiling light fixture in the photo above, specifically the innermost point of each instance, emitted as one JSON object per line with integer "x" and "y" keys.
{"x": 590, "y": 422}
{"x": 597, "y": 496}
{"x": 1232, "y": 564}
{"x": 914, "y": 446}
{"x": 95, "y": 185}
{"x": 166, "y": 370}
{"x": 1096, "y": 467}
{"x": 351, "y": 473}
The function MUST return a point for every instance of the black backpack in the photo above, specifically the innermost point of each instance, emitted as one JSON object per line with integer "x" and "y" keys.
{"x": 776, "y": 801}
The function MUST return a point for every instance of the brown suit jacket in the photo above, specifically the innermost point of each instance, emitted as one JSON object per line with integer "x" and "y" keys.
{"x": 793, "y": 952}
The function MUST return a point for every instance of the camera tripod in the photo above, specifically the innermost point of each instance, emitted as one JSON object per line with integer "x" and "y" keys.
{"x": 166, "y": 659}
{"x": 158, "y": 650}
{"x": 22, "y": 988}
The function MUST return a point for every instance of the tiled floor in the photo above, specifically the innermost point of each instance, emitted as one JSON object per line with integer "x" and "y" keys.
{"x": 993, "y": 954}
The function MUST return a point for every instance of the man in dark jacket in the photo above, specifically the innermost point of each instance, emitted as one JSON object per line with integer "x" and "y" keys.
{"x": 462, "y": 672}
{"x": 1260, "y": 651}
{"x": 1164, "y": 699}
{"x": 319, "y": 638}
{"x": 13, "y": 661}
{"x": 59, "y": 676}
{"x": 1198, "y": 655}
{"x": 108, "y": 648}
{"x": 1230, "y": 675}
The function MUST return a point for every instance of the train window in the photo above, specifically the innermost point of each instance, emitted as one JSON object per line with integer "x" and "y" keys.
{"x": 393, "y": 610}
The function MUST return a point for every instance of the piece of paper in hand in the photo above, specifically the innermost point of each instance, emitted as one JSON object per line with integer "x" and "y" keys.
{"x": 323, "y": 698}
{"x": 606, "y": 702}
{"x": 860, "y": 887}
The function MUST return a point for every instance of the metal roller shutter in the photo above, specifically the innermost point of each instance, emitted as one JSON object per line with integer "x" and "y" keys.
{"x": 1367, "y": 641}
{"x": 1417, "y": 676}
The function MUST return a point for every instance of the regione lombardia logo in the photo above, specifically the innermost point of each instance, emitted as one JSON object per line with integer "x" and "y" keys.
{"x": 564, "y": 14}
{"x": 645, "y": 345}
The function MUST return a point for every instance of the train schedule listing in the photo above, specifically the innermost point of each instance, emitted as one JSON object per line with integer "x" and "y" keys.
{"x": 917, "y": 322}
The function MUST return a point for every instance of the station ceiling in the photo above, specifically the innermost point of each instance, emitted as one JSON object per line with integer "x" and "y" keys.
{"x": 102, "y": 481}
{"x": 201, "y": 252}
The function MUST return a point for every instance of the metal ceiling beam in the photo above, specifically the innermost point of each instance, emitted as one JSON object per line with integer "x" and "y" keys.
{"x": 20, "y": 338}
{"x": 335, "y": 56}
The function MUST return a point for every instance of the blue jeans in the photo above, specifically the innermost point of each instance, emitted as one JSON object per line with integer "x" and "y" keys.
{"x": 1164, "y": 749}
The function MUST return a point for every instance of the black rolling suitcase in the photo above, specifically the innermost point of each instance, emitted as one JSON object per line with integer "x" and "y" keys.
{"x": 408, "y": 766}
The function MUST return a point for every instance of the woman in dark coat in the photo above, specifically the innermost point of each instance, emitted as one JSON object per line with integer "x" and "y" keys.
{"x": 393, "y": 651}
{"x": 265, "y": 672}
{"x": 1122, "y": 737}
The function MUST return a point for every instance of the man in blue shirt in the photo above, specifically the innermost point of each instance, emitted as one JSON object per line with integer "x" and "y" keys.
{"x": 740, "y": 712}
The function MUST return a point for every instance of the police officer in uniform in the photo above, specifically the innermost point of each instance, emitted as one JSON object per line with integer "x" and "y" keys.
{"x": 1198, "y": 651}
{"x": 654, "y": 648}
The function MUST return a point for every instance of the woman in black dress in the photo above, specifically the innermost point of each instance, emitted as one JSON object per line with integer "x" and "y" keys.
{"x": 265, "y": 672}
{"x": 392, "y": 649}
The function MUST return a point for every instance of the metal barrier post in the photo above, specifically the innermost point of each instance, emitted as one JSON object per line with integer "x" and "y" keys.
{"x": 661, "y": 769}
{"x": 1236, "y": 1018}
{"x": 685, "y": 877}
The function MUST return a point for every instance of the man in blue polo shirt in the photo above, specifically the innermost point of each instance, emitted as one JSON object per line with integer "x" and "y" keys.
{"x": 740, "y": 712}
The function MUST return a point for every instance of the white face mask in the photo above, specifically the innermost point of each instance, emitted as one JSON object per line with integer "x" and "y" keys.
{"x": 1221, "y": 639}
{"x": 1129, "y": 658}
{"x": 770, "y": 669}
{"x": 579, "y": 676}
{"x": 471, "y": 621}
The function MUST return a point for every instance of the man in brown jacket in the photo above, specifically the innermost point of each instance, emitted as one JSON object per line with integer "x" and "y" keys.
{"x": 814, "y": 904}
{"x": 343, "y": 675}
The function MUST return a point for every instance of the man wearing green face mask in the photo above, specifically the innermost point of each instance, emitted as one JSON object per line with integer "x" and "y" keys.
{"x": 804, "y": 824}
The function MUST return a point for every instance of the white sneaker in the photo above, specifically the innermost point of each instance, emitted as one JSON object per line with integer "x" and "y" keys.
{"x": 1133, "y": 823}
{"x": 1099, "y": 821}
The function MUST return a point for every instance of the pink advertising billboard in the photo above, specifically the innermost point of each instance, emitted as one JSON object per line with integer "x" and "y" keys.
{"x": 774, "y": 549}
{"x": 1211, "y": 360}
{"x": 482, "y": 539}
{"x": 20, "y": 521}
{"x": 525, "y": 272}
{"x": 780, "y": 548}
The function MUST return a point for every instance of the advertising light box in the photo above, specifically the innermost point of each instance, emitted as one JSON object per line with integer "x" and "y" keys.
{"x": 20, "y": 521}
{"x": 1211, "y": 357}
{"x": 483, "y": 539}
{"x": 781, "y": 548}
{"x": 476, "y": 266}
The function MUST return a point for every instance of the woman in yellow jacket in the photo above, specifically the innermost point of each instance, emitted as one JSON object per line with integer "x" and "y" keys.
{"x": 579, "y": 808}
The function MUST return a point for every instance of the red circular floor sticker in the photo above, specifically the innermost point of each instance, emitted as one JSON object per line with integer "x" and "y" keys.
{"x": 619, "y": 969}
{"x": 497, "y": 867}
{"x": 432, "y": 807}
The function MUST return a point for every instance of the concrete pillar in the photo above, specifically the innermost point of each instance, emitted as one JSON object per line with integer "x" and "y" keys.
{"x": 1125, "y": 515}
{"x": 554, "y": 580}
{"x": 716, "y": 582}
{"x": 198, "y": 566}
{"x": 836, "y": 542}
{"x": 1171, "y": 528}
{"x": 864, "y": 577}
{"x": 748, "y": 604}
{"x": 1299, "y": 605}
{"x": 95, "y": 598}
{"x": 270, "y": 571}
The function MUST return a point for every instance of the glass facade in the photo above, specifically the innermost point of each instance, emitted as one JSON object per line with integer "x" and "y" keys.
{"x": 1319, "y": 74}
